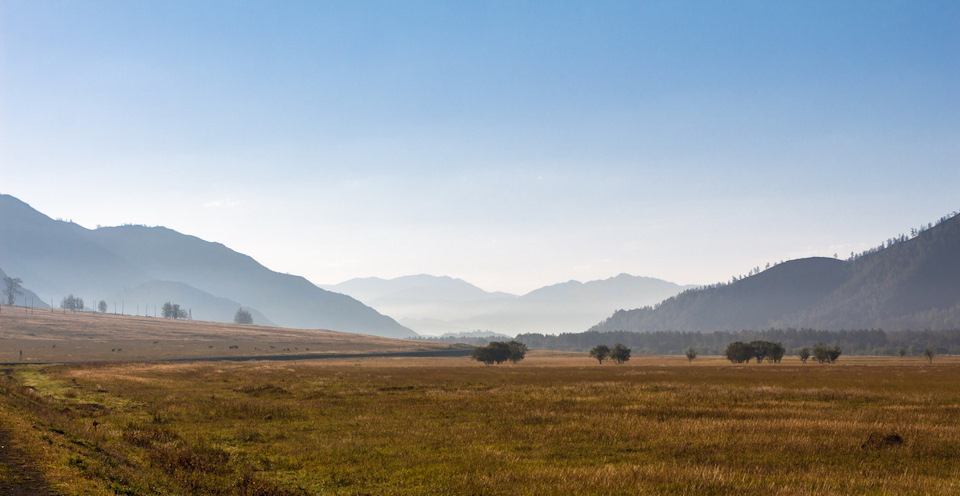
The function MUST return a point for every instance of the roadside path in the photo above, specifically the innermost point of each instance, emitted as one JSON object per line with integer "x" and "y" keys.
{"x": 18, "y": 475}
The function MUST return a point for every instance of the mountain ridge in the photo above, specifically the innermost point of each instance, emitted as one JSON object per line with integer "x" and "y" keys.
{"x": 906, "y": 284}
{"x": 56, "y": 258}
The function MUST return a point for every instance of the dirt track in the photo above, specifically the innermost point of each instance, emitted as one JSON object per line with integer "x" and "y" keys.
{"x": 18, "y": 475}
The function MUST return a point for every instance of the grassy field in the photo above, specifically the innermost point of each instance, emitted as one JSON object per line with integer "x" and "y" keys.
{"x": 554, "y": 424}
{"x": 44, "y": 335}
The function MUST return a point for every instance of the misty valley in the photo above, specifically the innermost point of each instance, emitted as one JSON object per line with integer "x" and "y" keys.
{"x": 217, "y": 375}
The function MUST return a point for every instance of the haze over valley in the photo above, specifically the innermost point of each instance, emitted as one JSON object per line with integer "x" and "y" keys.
{"x": 306, "y": 248}
{"x": 906, "y": 283}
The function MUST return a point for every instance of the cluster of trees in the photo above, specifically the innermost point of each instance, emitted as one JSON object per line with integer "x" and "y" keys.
{"x": 173, "y": 311}
{"x": 72, "y": 303}
{"x": 619, "y": 353}
{"x": 821, "y": 353}
{"x": 740, "y": 352}
{"x": 499, "y": 352}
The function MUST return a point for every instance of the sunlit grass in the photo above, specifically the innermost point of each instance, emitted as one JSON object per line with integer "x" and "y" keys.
{"x": 553, "y": 424}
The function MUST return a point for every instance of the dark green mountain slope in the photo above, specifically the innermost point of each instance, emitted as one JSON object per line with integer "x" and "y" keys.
{"x": 907, "y": 284}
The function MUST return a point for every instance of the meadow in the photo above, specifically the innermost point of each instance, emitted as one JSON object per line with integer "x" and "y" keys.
{"x": 31, "y": 335}
{"x": 556, "y": 423}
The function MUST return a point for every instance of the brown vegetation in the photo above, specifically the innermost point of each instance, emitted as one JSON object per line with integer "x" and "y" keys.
{"x": 551, "y": 424}
{"x": 45, "y": 335}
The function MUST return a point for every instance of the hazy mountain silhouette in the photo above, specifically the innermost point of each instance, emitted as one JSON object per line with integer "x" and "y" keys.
{"x": 56, "y": 258}
{"x": 438, "y": 305}
{"x": 425, "y": 303}
{"x": 907, "y": 284}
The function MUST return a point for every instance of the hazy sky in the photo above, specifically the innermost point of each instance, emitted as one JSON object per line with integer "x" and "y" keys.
{"x": 512, "y": 144}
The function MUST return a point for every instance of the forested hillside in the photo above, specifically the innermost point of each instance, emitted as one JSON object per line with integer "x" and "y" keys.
{"x": 906, "y": 283}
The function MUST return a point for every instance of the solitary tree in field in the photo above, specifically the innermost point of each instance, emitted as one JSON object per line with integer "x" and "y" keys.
{"x": 804, "y": 354}
{"x": 12, "y": 289}
{"x": 102, "y": 306}
{"x": 929, "y": 354}
{"x": 243, "y": 317}
{"x": 691, "y": 354}
{"x": 902, "y": 351}
{"x": 620, "y": 353}
{"x": 601, "y": 352}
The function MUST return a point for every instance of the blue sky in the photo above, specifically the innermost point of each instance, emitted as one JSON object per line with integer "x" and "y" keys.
{"x": 511, "y": 144}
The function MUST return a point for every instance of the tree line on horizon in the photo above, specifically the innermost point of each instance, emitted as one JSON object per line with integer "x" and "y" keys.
{"x": 853, "y": 342}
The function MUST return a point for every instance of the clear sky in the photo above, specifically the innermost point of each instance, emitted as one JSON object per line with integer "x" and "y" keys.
{"x": 513, "y": 144}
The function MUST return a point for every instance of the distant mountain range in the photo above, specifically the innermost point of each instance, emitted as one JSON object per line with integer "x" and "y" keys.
{"x": 138, "y": 265}
{"x": 908, "y": 283}
{"x": 440, "y": 305}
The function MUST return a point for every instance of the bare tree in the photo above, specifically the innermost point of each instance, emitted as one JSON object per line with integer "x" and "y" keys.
{"x": 12, "y": 289}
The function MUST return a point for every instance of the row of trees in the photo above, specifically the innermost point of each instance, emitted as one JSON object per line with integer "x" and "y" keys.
{"x": 740, "y": 352}
{"x": 619, "y": 353}
{"x": 75, "y": 304}
{"x": 853, "y": 342}
{"x": 499, "y": 352}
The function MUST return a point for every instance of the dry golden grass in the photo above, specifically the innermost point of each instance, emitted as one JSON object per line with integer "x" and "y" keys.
{"x": 556, "y": 423}
{"x": 54, "y": 335}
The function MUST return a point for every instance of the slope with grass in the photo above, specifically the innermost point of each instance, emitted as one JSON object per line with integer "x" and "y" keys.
{"x": 45, "y": 335}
